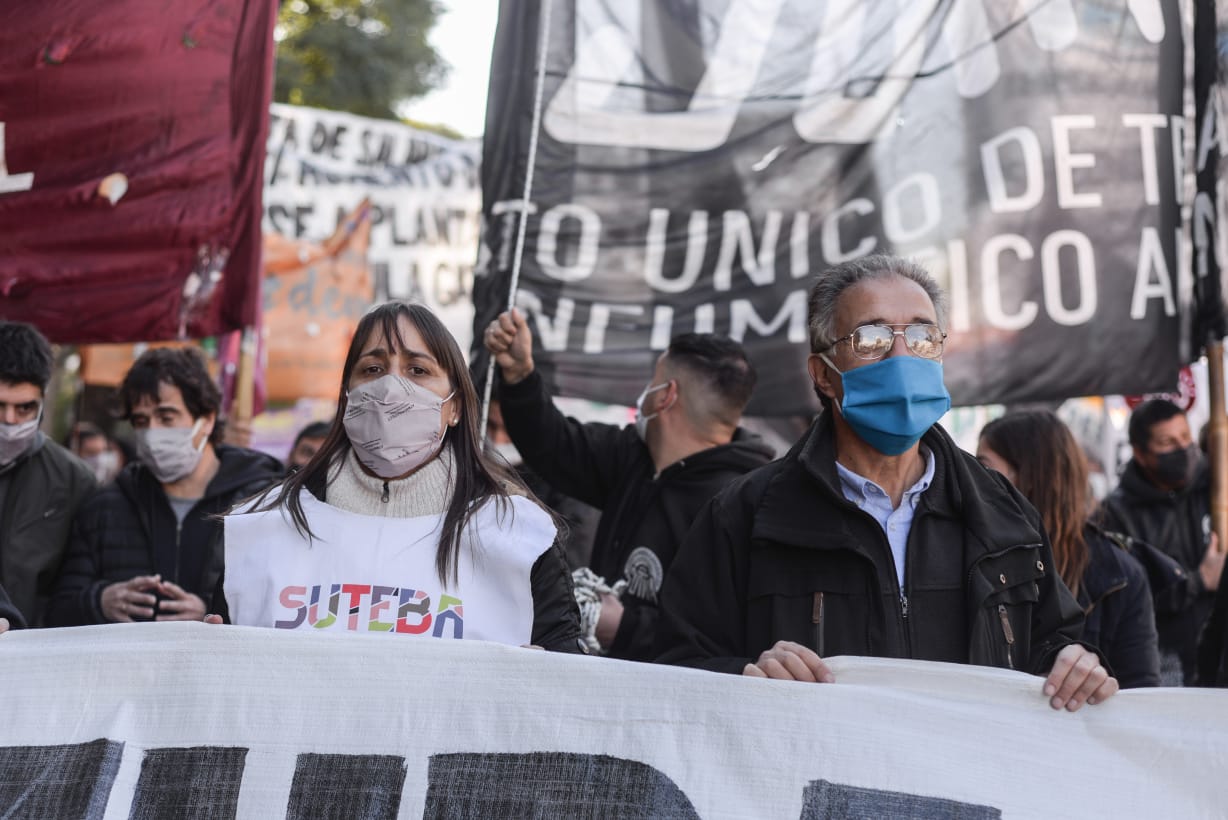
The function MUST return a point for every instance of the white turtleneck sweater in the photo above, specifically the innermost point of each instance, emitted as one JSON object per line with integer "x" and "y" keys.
{"x": 427, "y": 491}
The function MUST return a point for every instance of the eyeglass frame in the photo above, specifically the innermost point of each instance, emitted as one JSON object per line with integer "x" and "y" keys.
{"x": 848, "y": 337}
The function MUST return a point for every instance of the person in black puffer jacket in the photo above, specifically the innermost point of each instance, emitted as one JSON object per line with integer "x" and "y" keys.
{"x": 148, "y": 547}
{"x": 1163, "y": 499}
{"x": 1037, "y": 453}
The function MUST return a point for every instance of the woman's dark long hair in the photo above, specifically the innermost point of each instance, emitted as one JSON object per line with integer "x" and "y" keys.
{"x": 1051, "y": 472}
{"x": 475, "y": 477}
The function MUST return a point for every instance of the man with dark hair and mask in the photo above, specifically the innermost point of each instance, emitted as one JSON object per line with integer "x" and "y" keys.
{"x": 875, "y": 535}
{"x": 41, "y": 483}
{"x": 149, "y": 545}
{"x": 648, "y": 479}
{"x": 1164, "y": 500}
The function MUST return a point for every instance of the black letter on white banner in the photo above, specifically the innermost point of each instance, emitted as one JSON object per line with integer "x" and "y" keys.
{"x": 197, "y": 781}
{"x": 58, "y": 781}
{"x": 360, "y": 787}
{"x": 549, "y": 784}
{"x": 823, "y": 800}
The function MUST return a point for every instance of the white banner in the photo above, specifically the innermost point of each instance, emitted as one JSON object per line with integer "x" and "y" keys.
{"x": 424, "y": 189}
{"x": 148, "y": 720}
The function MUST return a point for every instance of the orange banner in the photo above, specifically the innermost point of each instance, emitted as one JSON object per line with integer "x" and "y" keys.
{"x": 314, "y": 295}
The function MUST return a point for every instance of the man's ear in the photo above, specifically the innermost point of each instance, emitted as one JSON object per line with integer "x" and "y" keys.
{"x": 210, "y": 422}
{"x": 822, "y": 375}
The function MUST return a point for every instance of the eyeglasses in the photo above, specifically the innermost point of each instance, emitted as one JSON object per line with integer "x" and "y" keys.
{"x": 874, "y": 341}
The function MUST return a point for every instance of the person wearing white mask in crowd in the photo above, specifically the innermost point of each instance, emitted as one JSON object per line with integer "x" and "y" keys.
{"x": 97, "y": 449}
{"x": 41, "y": 483}
{"x": 649, "y": 479}
{"x": 147, "y": 547}
{"x": 400, "y": 524}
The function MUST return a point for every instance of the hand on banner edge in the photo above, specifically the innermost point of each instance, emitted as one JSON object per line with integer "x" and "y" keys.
{"x": 1078, "y": 677}
{"x": 787, "y": 660}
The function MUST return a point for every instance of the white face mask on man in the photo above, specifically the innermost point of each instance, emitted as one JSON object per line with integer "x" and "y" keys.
{"x": 15, "y": 439}
{"x": 168, "y": 452}
{"x": 641, "y": 420}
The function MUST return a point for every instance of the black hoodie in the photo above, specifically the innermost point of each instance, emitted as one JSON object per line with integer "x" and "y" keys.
{"x": 128, "y": 529}
{"x": 1179, "y": 524}
{"x": 643, "y": 516}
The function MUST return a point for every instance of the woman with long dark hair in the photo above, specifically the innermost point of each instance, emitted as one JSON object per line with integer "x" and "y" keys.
{"x": 1037, "y": 453}
{"x": 400, "y": 524}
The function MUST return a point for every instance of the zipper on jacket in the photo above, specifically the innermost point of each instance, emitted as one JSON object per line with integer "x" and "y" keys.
{"x": 1008, "y": 633}
{"x": 384, "y": 497}
{"x": 816, "y": 620}
{"x": 904, "y": 605}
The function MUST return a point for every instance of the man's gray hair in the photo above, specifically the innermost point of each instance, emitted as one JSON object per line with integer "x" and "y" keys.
{"x": 833, "y": 282}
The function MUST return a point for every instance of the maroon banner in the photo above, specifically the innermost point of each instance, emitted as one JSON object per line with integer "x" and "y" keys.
{"x": 132, "y": 140}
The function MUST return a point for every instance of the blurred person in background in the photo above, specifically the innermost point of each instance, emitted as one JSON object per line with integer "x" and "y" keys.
{"x": 306, "y": 444}
{"x": 1164, "y": 499}
{"x": 97, "y": 449}
{"x": 1037, "y": 453}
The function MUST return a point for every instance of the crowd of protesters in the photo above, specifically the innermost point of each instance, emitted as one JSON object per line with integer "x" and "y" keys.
{"x": 675, "y": 539}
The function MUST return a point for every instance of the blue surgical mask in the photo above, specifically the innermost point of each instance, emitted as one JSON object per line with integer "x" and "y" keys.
{"x": 891, "y": 403}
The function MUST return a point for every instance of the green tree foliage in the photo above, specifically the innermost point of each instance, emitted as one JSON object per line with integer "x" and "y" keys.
{"x": 361, "y": 56}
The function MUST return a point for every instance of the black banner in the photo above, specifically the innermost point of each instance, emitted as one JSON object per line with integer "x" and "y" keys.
{"x": 700, "y": 162}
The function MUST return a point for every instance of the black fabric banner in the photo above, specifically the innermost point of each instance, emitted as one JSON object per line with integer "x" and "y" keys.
{"x": 700, "y": 162}
{"x": 1208, "y": 324}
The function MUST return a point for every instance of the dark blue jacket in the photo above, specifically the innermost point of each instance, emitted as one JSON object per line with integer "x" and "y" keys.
{"x": 1120, "y": 619}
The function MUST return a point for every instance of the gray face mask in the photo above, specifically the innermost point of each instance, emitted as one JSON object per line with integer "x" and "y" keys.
{"x": 15, "y": 439}
{"x": 168, "y": 451}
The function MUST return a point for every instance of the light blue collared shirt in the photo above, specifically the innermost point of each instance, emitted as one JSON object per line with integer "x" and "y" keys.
{"x": 872, "y": 499}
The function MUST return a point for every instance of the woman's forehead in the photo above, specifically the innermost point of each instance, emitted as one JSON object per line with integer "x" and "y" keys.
{"x": 405, "y": 337}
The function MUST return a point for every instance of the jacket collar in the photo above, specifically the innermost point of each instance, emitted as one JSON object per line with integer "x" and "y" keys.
{"x": 995, "y": 514}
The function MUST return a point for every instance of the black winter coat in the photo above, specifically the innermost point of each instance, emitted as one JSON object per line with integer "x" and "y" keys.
{"x": 643, "y": 516}
{"x": 556, "y": 617}
{"x": 782, "y": 555}
{"x": 1179, "y": 524}
{"x": 43, "y": 492}
{"x": 1120, "y": 619}
{"x": 128, "y": 529}
{"x": 7, "y": 610}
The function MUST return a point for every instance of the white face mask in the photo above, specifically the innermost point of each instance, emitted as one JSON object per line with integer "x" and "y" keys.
{"x": 508, "y": 453}
{"x": 394, "y": 425}
{"x": 168, "y": 452}
{"x": 105, "y": 465}
{"x": 641, "y": 420}
{"x": 15, "y": 439}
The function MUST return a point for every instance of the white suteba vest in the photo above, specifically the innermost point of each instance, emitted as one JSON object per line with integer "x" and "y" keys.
{"x": 376, "y": 575}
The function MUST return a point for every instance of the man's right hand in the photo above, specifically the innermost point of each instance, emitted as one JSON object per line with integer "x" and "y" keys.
{"x": 4, "y": 625}
{"x": 509, "y": 339}
{"x": 1212, "y": 567}
{"x": 790, "y": 661}
{"x": 126, "y": 600}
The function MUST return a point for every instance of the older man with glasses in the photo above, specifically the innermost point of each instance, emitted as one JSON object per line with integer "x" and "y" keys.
{"x": 876, "y": 535}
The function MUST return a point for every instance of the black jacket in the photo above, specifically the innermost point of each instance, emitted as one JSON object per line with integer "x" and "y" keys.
{"x": 1179, "y": 523}
{"x": 1213, "y": 643}
{"x": 42, "y": 492}
{"x": 7, "y": 610}
{"x": 1120, "y": 619}
{"x": 128, "y": 529}
{"x": 643, "y": 517}
{"x": 782, "y": 555}
{"x": 556, "y": 617}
